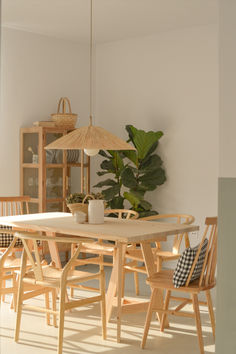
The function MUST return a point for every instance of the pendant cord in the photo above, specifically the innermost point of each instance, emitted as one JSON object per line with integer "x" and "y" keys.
{"x": 91, "y": 60}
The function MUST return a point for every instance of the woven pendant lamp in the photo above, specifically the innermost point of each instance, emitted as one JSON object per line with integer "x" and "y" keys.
{"x": 91, "y": 138}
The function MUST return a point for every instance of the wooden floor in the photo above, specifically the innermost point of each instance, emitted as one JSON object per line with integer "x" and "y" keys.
{"x": 83, "y": 332}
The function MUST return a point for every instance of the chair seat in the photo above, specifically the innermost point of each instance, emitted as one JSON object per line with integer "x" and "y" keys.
{"x": 164, "y": 280}
{"x": 52, "y": 276}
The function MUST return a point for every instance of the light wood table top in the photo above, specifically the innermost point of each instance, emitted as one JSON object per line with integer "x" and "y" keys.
{"x": 113, "y": 229}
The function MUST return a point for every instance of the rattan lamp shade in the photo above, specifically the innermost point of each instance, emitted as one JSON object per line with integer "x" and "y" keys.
{"x": 90, "y": 137}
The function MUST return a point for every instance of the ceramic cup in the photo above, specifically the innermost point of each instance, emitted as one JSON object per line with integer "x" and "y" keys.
{"x": 79, "y": 217}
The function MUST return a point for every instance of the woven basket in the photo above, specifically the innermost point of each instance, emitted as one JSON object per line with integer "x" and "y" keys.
{"x": 80, "y": 206}
{"x": 63, "y": 118}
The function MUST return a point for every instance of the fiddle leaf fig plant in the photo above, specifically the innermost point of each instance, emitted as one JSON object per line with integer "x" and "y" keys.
{"x": 135, "y": 172}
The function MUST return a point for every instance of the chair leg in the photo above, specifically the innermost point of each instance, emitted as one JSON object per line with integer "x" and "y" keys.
{"x": 3, "y": 286}
{"x": 20, "y": 295}
{"x": 19, "y": 310}
{"x": 47, "y": 306}
{"x": 71, "y": 291}
{"x": 103, "y": 305}
{"x": 198, "y": 322}
{"x": 61, "y": 317}
{"x": 123, "y": 281}
{"x": 211, "y": 311}
{"x": 166, "y": 306}
{"x": 136, "y": 282}
{"x": 54, "y": 306}
{"x": 72, "y": 253}
{"x": 148, "y": 317}
{"x": 159, "y": 264}
{"x": 14, "y": 295}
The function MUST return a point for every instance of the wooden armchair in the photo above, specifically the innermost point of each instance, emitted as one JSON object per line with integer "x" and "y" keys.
{"x": 45, "y": 279}
{"x": 9, "y": 245}
{"x": 163, "y": 280}
{"x": 134, "y": 254}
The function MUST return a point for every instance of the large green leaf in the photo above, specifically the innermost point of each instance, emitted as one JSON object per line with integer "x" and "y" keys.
{"x": 134, "y": 201}
{"x": 153, "y": 148}
{"x": 108, "y": 165}
{"x": 145, "y": 204}
{"x": 152, "y": 179}
{"x": 132, "y": 156}
{"x": 110, "y": 193}
{"x": 102, "y": 173}
{"x": 151, "y": 163}
{"x": 117, "y": 203}
{"x": 107, "y": 182}
{"x": 138, "y": 192}
{"x": 144, "y": 213}
{"x": 128, "y": 178}
{"x": 143, "y": 141}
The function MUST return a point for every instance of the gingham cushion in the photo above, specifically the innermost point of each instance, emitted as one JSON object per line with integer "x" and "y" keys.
{"x": 185, "y": 262}
{"x": 5, "y": 239}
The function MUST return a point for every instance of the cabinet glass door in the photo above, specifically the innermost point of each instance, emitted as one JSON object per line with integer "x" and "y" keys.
{"x": 30, "y": 147}
{"x": 30, "y": 182}
{"x": 53, "y": 156}
{"x": 54, "y": 183}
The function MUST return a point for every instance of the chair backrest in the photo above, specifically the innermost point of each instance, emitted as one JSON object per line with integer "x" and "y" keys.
{"x": 122, "y": 213}
{"x": 11, "y": 206}
{"x": 209, "y": 263}
{"x": 14, "y": 205}
{"x": 176, "y": 219}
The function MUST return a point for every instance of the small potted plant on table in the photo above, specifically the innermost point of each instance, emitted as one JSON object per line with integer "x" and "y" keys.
{"x": 79, "y": 202}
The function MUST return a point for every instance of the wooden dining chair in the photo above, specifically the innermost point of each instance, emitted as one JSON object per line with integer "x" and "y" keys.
{"x": 199, "y": 276}
{"x": 134, "y": 255}
{"x": 99, "y": 248}
{"x": 9, "y": 245}
{"x": 45, "y": 279}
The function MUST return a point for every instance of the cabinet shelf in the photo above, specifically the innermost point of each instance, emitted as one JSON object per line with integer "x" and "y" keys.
{"x": 30, "y": 165}
{"x": 48, "y": 182}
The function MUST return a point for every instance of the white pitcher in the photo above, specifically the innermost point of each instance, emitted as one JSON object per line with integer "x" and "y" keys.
{"x": 96, "y": 211}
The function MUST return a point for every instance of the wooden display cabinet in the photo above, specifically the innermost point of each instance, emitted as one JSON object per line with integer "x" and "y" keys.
{"x": 45, "y": 174}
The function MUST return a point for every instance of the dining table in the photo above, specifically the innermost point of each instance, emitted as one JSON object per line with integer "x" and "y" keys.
{"x": 121, "y": 231}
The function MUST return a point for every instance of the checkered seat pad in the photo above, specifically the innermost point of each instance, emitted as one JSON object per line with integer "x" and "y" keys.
{"x": 185, "y": 263}
{"x": 5, "y": 239}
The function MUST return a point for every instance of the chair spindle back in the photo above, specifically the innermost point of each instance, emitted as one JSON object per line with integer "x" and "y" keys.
{"x": 210, "y": 259}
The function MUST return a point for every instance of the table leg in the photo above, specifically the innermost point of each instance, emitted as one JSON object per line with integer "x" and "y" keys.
{"x": 115, "y": 286}
{"x": 120, "y": 260}
{"x": 54, "y": 251}
{"x": 151, "y": 269}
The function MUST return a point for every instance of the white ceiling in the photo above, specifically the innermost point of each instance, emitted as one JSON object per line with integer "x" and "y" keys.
{"x": 113, "y": 19}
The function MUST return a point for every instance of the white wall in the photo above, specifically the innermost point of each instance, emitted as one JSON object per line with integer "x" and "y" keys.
{"x": 36, "y": 71}
{"x": 168, "y": 82}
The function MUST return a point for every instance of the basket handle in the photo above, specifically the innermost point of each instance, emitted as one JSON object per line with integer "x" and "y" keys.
{"x": 88, "y": 196}
{"x": 63, "y": 101}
